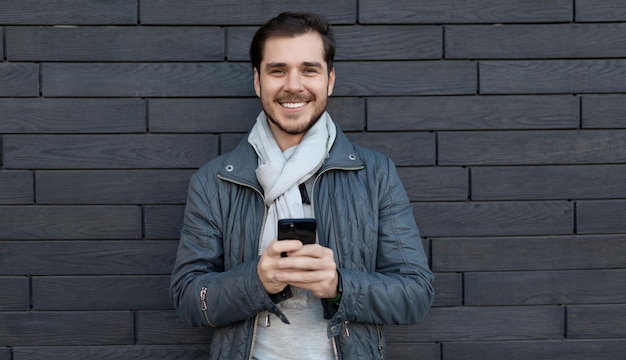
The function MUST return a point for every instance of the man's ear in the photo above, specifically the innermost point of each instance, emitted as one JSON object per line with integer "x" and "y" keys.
{"x": 257, "y": 83}
{"x": 331, "y": 81}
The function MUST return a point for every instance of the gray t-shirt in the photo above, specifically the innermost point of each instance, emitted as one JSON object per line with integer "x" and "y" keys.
{"x": 306, "y": 337}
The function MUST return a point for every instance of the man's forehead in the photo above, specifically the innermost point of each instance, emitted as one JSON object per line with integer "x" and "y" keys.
{"x": 307, "y": 47}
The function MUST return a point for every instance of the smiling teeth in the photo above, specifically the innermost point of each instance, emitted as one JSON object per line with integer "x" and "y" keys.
{"x": 293, "y": 105}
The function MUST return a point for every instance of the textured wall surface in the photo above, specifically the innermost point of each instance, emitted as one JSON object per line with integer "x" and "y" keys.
{"x": 507, "y": 120}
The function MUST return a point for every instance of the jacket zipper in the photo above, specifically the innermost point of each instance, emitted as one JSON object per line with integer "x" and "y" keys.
{"x": 380, "y": 342}
{"x": 256, "y": 318}
{"x": 203, "y": 306}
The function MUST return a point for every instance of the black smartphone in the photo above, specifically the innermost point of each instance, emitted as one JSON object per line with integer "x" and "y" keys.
{"x": 297, "y": 229}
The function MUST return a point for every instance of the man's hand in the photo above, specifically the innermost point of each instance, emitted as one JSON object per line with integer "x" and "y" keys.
{"x": 268, "y": 264}
{"x": 310, "y": 267}
{"x": 313, "y": 268}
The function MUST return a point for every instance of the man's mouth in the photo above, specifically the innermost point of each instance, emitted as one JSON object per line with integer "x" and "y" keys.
{"x": 293, "y": 105}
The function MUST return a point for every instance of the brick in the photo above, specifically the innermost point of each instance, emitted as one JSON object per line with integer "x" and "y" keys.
{"x": 385, "y": 78}
{"x": 108, "y": 151}
{"x": 403, "y": 351}
{"x": 532, "y": 147}
{"x": 435, "y": 183}
{"x": 596, "y": 321}
{"x": 86, "y": 293}
{"x": 229, "y": 141}
{"x": 600, "y": 217}
{"x": 19, "y": 79}
{"x": 165, "y": 327}
{"x": 548, "y": 182}
{"x": 163, "y": 222}
{"x": 484, "y": 323}
{"x": 66, "y": 328}
{"x": 155, "y": 43}
{"x": 146, "y": 79}
{"x": 348, "y": 113}
{"x": 472, "y": 113}
{"x": 604, "y": 111}
{"x": 461, "y": 11}
{"x": 62, "y": 12}
{"x": 606, "y": 10}
{"x": 549, "y": 349}
{"x": 405, "y": 149}
{"x": 528, "y": 253}
{"x": 113, "y": 186}
{"x": 552, "y": 76}
{"x": 88, "y": 257}
{"x": 535, "y": 41}
{"x": 70, "y": 222}
{"x": 225, "y": 12}
{"x": 448, "y": 289}
{"x": 68, "y": 115}
{"x": 494, "y": 219}
{"x": 135, "y": 352}
{"x": 15, "y": 294}
{"x": 16, "y": 187}
{"x": 544, "y": 287}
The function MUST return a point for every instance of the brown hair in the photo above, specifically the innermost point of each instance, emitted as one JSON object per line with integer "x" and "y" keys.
{"x": 290, "y": 24}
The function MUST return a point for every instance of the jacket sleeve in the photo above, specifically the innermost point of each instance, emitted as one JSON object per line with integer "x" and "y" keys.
{"x": 203, "y": 292}
{"x": 400, "y": 290}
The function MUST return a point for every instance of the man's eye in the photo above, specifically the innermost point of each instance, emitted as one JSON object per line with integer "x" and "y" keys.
{"x": 310, "y": 71}
{"x": 277, "y": 72}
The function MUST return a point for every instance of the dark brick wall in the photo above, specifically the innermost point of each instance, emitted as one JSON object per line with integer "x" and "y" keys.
{"x": 507, "y": 120}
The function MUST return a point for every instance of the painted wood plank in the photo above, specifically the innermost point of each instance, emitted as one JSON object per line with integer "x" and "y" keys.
{"x": 493, "y": 323}
{"x": 532, "y": 147}
{"x": 40, "y": 328}
{"x": 15, "y": 294}
{"x": 548, "y": 349}
{"x": 551, "y": 41}
{"x": 544, "y": 287}
{"x": 548, "y": 182}
{"x": 552, "y": 76}
{"x": 62, "y": 12}
{"x": 39, "y": 115}
{"x": 225, "y": 12}
{"x": 112, "y": 186}
{"x": 528, "y": 253}
{"x": 87, "y": 43}
{"x": 19, "y": 79}
{"x": 88, "y": 257}
{"x": 600, "y": 217}
{"x": 461, "y": 11}
{"x": 596, "y": 321}
{"x": 494, "y": 218}
{"x": 16, "y": 187}
{"x": 384, "y": 78}
{"x": 472, "y": 113}
{"x": 86, "y": 293}
{"x": 70, "y": 222}
{"x": 146, "y": 79}
{"x": 108, "y": 151}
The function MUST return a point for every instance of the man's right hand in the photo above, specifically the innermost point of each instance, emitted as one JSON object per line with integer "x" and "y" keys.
{"x": 267, "y": 267}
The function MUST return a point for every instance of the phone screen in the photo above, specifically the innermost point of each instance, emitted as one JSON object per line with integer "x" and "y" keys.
{"x": 297, "y": 229}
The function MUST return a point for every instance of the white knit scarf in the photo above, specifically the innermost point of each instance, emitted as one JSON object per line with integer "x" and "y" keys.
{"x": 280, "y": 176}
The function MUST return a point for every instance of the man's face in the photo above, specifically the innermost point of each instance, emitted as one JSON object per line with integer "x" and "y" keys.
{"x": 294, "y": 85}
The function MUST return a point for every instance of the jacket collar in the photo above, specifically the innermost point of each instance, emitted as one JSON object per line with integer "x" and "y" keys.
{"x": 240, "y": 164}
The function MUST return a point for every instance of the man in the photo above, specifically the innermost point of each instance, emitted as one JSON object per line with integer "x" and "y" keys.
{"x": 328, "y": 300}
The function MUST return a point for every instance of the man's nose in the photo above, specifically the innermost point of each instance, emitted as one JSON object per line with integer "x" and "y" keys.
{"x": 294, "y": 82}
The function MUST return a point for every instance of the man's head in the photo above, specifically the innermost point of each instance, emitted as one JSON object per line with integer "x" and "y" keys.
{"x": 292, "y": 59}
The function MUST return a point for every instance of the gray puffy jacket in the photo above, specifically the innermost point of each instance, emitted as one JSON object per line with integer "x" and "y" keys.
{"x": 363, "y": 215}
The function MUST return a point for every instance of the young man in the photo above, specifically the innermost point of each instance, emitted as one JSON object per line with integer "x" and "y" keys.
{"x": 328, "y": 300}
